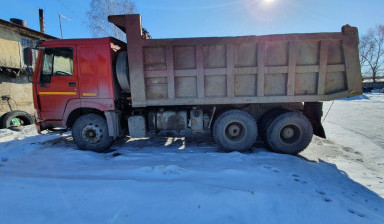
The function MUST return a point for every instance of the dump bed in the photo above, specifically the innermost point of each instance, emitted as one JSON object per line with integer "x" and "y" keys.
{"x": 237, "y": 70}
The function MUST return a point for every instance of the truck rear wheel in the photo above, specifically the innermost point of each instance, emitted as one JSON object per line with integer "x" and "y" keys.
{"x": 90, "y": 132}
{"x": 235, "y": 130}
{"x": 289, "y": 133}
{"x": 267, "y": 119}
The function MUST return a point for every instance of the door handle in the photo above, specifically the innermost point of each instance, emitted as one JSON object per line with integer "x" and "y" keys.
{"x": 72, "y": 84}
{"x": 44, "y": 86}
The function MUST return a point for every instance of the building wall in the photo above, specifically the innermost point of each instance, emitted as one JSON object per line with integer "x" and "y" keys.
{"x": 20, "y": 89}
{"x": 12, "y": 47}
{"x": 9, "y": 48}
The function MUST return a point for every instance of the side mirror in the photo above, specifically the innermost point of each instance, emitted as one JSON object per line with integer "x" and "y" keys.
{"x": 28, "y": 61}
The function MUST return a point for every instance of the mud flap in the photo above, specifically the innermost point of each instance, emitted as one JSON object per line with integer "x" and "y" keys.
{"x": 314, "y": 112}
{"x": 113, "y": 122}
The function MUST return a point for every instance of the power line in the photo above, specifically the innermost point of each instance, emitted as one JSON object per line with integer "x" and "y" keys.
{"x": 74, "y": 13}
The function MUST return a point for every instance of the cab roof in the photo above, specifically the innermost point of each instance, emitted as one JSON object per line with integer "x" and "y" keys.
{"x": 83, "y": 41}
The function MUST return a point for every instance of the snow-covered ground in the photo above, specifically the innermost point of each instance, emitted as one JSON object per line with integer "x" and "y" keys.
{"x": 44, "y": 179}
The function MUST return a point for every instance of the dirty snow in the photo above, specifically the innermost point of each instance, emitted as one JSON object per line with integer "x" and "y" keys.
{"x": 45, "y": 179}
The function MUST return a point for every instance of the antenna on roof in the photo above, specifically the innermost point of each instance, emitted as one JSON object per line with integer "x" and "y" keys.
{"x": 64, "y": 17}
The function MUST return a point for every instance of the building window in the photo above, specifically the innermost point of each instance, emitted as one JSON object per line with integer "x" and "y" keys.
{"x": 26, "y": 42}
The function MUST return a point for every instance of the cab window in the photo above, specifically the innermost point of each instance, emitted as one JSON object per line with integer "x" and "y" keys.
{"x": 56, "y": 62}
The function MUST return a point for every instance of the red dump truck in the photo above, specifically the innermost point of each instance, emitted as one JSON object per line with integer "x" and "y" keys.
{"x": 239, "y": 88}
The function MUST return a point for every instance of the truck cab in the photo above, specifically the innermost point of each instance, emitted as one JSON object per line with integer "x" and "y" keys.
{"x": 73, "y": 77}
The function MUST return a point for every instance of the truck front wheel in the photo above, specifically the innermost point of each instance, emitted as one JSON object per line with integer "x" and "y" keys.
{"x": 289, "y": 132}
{"x": 235, "y": 130}
{"x": 90, "y": 132}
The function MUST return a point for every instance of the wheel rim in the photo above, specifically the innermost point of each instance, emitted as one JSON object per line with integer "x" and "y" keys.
{"x": 92, "y": 133}
{"x": 290, "y": 133}
{"x": 234, "y": 131}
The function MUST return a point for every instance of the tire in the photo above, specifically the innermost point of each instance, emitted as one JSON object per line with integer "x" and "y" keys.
{"x": 235, "y": 130}
{"x": 1, "y": 120}
{"x": 266, "y": 119}
{"x": 16, "y": 128}
{"x": 23, "y": 117}
{"x": 289, "y": 133}
{"x": 122, "y": 72}
{"x": 90, "y": 132}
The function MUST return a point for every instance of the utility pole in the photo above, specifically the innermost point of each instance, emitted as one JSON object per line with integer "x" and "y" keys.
{"x": 61, "y": 30}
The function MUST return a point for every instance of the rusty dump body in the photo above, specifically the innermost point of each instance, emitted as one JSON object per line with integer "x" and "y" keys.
{"x": 240, "y": 70}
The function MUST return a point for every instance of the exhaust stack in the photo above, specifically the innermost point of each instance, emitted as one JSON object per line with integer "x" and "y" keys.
{"x": 41, "y": 20}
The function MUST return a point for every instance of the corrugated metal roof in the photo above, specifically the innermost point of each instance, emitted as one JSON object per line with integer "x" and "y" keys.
{"x": 26, "y": 31}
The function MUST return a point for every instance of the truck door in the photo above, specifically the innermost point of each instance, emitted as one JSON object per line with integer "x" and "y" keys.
{"x": 58, "y": 82}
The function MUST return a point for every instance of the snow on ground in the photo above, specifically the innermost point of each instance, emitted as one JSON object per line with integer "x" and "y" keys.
{"x": 45, "y": 179}
{"x": 357, "y": 125}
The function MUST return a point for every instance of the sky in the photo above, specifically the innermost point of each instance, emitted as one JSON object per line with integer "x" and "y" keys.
{"x": 204, "y": 18}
